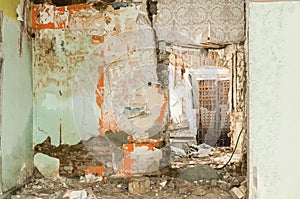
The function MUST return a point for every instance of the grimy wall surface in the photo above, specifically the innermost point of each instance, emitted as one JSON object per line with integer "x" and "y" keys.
{"x": 274, "y": 99}
{"x": 16, "y": 100}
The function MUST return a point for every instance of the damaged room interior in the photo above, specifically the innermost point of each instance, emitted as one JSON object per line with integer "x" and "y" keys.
{"x": 149, "y": 99}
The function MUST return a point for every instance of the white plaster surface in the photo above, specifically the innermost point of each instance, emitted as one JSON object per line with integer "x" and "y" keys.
{"x": 274, "y": 100}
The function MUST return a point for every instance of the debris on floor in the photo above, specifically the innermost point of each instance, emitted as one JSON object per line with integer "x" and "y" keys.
{"x": 187, "y": 177}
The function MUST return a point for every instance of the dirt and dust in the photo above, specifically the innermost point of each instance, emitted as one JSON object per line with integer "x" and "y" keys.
{"x": 187, "y": 177}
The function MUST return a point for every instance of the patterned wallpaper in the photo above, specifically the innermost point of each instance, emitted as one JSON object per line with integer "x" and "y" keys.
{"x": 192, "y": 21}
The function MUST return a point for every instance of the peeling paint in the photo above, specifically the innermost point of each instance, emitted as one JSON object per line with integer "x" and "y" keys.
{"x": 96, "y": 65}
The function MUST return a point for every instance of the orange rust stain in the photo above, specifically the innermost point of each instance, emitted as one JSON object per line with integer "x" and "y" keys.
{"x": 94, "y": 170}
{"x": 60, "y": 24}
{"x": 102, "y": 53}
{"x": 100, "y": 97}
{"x": 109, "y": 123}
{"x": 127, "y": 163}
{"x": 100, "y": 87}
{"x": 101, "y": 127}
{"x": 56, "y": 24}
{"x": 97, "y": 171}
{"x": 36, "y": 19}
{"x": 161, "y": 116}
{"x": 128, "y": 147}
{"x": 104, "y": 123}
{"x": 150, "y": 143}
{"x": 107, "y": 20}
{"x": 96, "y": 39}
{"x": 134, "y": 49}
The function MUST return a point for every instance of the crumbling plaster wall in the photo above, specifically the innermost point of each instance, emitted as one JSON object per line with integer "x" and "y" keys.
{"x": 16, "y": 98}
{"x": 93, "y": 70}
{"x": 273, "y": 99}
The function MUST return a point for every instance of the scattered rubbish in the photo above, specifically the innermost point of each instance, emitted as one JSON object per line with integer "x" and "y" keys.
{"x": 200, "y": 151}
{"x": 91, "y": 178}
{"x": 177, "y": 153}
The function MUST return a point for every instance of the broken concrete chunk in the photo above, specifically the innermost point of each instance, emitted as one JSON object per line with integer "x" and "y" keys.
{"x": 47, "y": 166}
{"x": 201, "y": 172}
{"x": 139, "y": 185}
{"x": 236, "y": 193}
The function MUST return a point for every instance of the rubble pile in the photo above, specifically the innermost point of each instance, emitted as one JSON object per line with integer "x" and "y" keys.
{"x": 192, "y": 176}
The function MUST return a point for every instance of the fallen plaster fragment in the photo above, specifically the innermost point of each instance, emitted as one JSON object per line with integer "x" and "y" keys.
{"x": 91, "y": 178}
{"x": 47, "y": 166}
{"x": 163, "y": 184}
{"x": 81, "y": 194}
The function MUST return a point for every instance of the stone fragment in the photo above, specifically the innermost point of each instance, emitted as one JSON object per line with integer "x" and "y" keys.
{"x": 201, "y": 172}
{"x": 223, "y": 185}
{"x": 139, "y": 185}
{"x": 199, "y": 191}
{"x": 214, "y": 183}
{"x": 236, "y": 193}
{"x": 184, "y": 190}
{"x": 171, "y": 185}
{"x": 235, "y": 182}
{"x": 47, "y": 166}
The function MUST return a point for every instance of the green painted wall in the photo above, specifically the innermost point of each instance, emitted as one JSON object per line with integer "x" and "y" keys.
{"x": 16, "y": 138}
{"x": 274, "y": 40}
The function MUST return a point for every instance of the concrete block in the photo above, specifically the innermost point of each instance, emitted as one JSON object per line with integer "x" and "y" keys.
{"x": 139, "y": 185}
{"x": 236, "y": 193}
{"x": 48, "y": 166}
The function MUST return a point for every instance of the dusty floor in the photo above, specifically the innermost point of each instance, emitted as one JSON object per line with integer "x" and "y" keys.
{"x": 187, "y": 177}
